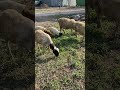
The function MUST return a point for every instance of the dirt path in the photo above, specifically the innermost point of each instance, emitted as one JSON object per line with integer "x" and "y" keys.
{"x": 45, "y": 12}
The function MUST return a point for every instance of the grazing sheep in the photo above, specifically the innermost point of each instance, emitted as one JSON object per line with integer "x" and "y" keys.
{"x": 40, "y": 28}
{"x": 45, "y": 40}
{"x": 17, "y": 29}
{"x": 8, "y": 4}
{"x": 66, "y": 23}
{"x": 43, "y": 29}
{"x": 55, "y": 31}
{"x": 80, "y": 28}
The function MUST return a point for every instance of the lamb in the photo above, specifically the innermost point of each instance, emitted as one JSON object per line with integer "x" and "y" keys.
{"x": 44, "y": 29}
{"x": 55, "y": 31}
{"x": 44, "y": 39}
{"x": 8, "y": 4}
{"x": 66, "y": 23}
{"x": 19, "y": 29}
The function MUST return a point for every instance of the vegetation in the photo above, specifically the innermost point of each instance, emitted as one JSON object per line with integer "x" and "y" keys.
{"x": 80, "y": 2}
{"x": 102, "y": 55}
{"x": 64, "y": 72}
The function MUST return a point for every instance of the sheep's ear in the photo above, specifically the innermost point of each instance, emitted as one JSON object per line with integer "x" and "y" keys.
{"x": 52, "y": 46}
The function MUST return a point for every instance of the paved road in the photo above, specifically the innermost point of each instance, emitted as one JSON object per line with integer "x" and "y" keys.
{"x": 65, "y": 12}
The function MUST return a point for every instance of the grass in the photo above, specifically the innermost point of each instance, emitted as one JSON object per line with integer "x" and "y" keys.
{"x": 102, "y": 56}
{"x": 17, "y": 72}
{"x": 65, "y": 72}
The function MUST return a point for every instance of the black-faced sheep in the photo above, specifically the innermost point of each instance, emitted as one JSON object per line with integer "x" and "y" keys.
{"x": 44, "y": 39}
{"x": 17, "y": 29}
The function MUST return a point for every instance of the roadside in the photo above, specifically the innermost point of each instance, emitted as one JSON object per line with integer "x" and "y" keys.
{"x": 57, "y": 11}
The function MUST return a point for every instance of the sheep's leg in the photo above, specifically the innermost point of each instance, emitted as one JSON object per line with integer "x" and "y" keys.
{"x": 10, "y": 50}
{"x": 60, "y": 29}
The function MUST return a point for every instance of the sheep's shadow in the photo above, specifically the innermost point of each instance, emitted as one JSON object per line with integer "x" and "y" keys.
{"x": 44, "y": 59}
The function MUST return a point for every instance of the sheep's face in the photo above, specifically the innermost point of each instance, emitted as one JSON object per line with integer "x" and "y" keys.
{"x": 60, "y": 34}
{"x": 56, "y": 52}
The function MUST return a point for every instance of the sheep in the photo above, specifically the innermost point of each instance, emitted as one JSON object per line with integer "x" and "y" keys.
{"x": 44, "y": 29}
{"x": 55, "y": 31}
{"x": 40, "y": 28}
{"x": 19, "y": 29}
{"x": 79, "y": 28}
{"x": 66, "y": 23}
{"x": 8, "y": 4}
{"x": 44, "y": 39}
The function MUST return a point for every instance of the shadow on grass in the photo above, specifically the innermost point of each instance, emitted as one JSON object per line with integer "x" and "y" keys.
{"x": 17, "y": 73}
{"x": 12, "y": 83}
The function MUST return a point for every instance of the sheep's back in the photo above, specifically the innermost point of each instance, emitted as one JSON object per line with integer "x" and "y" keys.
{"x": 80, "y": 27}
{"x": 42, "y": 38}
{"x": 8, "y": 4}
{"x": 64, "y": 23}
{"x": 17, "y": 28}
{"x": 54, "y": 30}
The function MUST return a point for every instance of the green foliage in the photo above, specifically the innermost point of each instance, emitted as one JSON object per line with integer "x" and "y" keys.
{"x": 80, "y": 2}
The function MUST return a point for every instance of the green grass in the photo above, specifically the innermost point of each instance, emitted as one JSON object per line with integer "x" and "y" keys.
{"x": 65, "y": 72}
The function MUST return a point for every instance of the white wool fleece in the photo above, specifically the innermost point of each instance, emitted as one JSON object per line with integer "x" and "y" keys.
{"x": 43, "y": 38}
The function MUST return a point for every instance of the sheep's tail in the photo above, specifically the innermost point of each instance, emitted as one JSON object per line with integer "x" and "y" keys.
{"x": 54, "y": 49}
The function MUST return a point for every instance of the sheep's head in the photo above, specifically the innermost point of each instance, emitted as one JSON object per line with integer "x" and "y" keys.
{"x": 60, "y": 34}
{"x": 56, "y": 51}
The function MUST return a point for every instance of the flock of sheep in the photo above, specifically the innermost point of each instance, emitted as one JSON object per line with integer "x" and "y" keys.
{"x": 43, "y": 35}
{"x": 22, "y": 31}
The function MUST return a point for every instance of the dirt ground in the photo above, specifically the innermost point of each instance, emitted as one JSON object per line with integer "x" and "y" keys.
{"x": 55, "y": 9}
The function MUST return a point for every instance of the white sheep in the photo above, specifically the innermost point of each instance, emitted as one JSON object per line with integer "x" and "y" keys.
{"x": 55, "y": 31}
{"x": 40, "y": 28}
{"x": 44, "y": 39}
{"x": 79, "y": 28}
{"x": 66, "y": 23}
{"x": 44, "y": 29}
